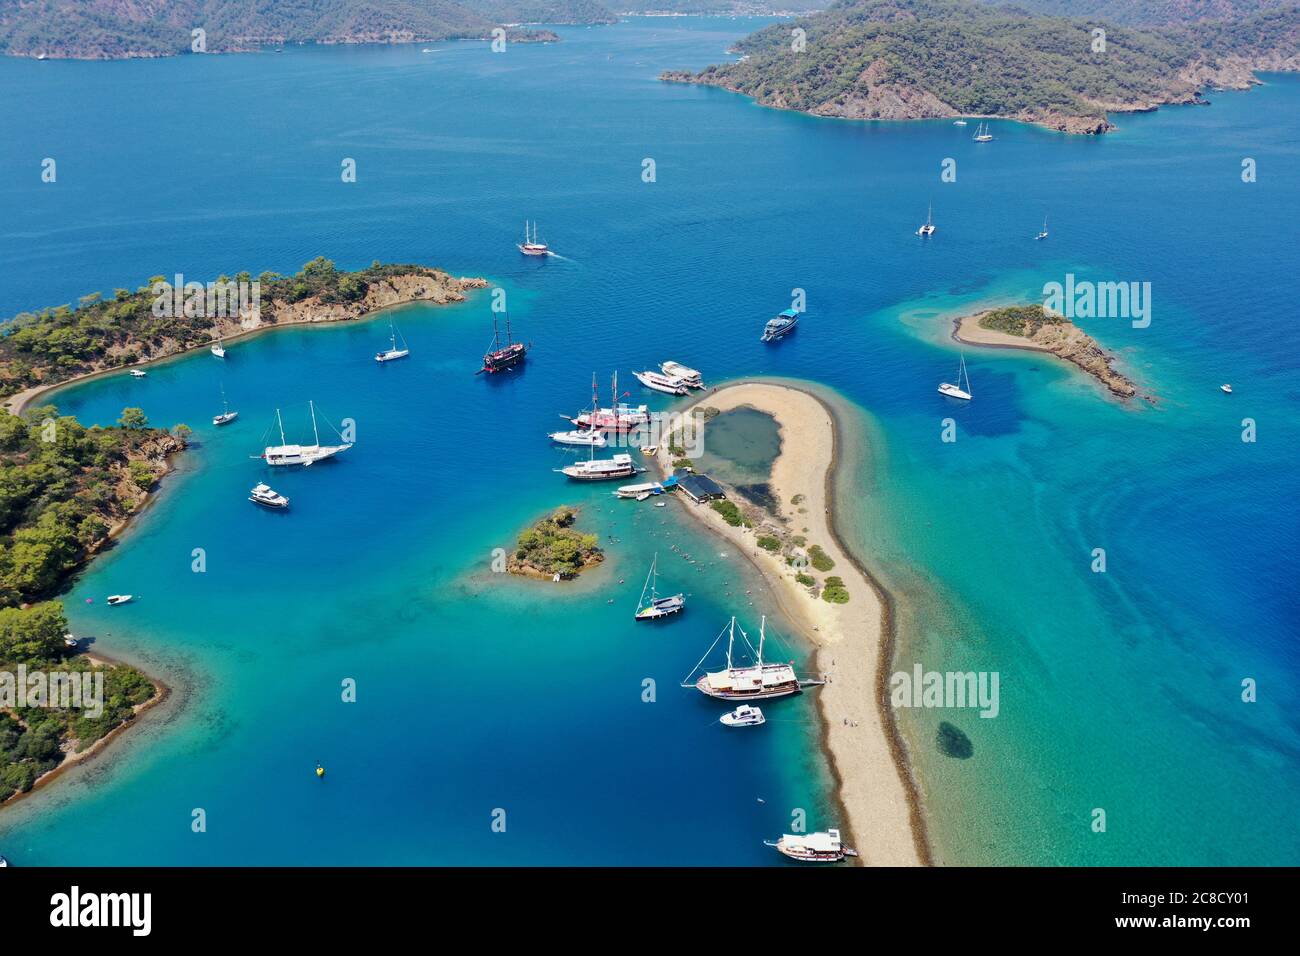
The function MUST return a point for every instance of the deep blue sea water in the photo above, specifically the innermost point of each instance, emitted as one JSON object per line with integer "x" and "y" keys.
{"x": 1120, "y": 691}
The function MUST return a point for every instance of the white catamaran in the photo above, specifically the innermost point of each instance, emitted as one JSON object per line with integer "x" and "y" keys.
{"x": 757, "y": 681}
{"x": 286, "y": 454}
{"x": 657, "y": 607}
{"x": 956, "y": 391}
{"x": 927, "y": 229}
{"x": 393, "y": 352}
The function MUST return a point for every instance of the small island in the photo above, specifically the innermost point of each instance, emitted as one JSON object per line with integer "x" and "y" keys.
{"x": 553, "y": 548}
{"x": 1037, "y": 329}
{"x": 61, "y": 344}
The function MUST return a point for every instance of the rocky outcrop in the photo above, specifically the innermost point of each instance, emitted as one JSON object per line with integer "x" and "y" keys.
{"x": 438, "y": 288}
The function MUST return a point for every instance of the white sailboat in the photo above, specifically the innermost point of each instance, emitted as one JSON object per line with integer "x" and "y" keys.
{"x": 226, "y": 416}
{"x": 393, "y": 352}
{"x": 657, "y": 607}
{"x": 590, "y": 436}
{"x": 982, "y": 134}
{"x": 757, "y": 681}
{"x": 1043, "y": 234}
{"x": 218, "y": 349}
{"x": 927, "y": 229}
{"x": 285, "y": 454}
{"x": 956, "y": 391}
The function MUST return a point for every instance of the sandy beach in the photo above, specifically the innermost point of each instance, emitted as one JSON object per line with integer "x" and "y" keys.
{"x": 967, "y": 329}
{"x": 854, "y": 640}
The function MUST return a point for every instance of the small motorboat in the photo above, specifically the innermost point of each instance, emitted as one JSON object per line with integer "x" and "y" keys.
{"x": 268, "y": 497}
{"x": 116, "y": 599}
{"x": 138, "y": 373}
{"x": 225, "y": 418}
{"x": 218, "y": 349}
{"x": 1226, "y": 389}
{"x": 959, "y": 123}
{"x": 822, "y": 847}
{"x": 69, "y": 641}
{"x": 3, "y": 862}
{"x": 743, "y": 716}
{"x": 587, "y": 437}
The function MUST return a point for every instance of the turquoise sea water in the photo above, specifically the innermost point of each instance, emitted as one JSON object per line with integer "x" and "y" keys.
{"x": 1119, "y": 691}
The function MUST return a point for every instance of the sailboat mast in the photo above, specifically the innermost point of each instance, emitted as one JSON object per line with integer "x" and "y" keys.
{"x": 281, "y": 423}
{"x": 762, "y": 629}
{"x": 731, "y": 638}
{"x": 312, "y": 406}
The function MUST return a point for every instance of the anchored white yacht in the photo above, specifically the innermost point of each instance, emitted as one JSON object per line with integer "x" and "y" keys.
{"x": 392, "y": 352}
{"x": 743, "y": 716}
{"x": 267, "y": 497}
{"x": 285, "y": 454}
{"x": 218, "y": 349}
{"x": 956, "y": 391}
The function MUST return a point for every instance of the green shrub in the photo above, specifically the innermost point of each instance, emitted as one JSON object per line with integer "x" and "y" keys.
{"x": 820, "y": 559}
{"x": 835, "y": 592}
{"x": 769, "y": 543}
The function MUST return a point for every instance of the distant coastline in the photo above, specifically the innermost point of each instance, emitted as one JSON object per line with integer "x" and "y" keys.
{"x": 875, "y": 783}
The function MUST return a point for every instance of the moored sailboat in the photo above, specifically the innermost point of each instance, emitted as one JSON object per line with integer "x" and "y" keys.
{"x": 619, "y": 417}
{"x": 392, "y": 352}
{"x": 956, "y": 391}
{"x": 285, "y": 454}
{"x": 589, "y": 436}
{"x": 501, "y": 358}
{"x": 657, "y": 607}
{"x": 927, "y": 228}
{"x": 757, "y": 681}
{"x": 226, "y": 416}
{"x": 982, "y": 134}
{"x": 1043, "y": 233}
{"x": 218, "y": 349}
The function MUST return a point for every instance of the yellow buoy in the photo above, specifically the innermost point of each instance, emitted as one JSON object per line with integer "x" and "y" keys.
{"x": 320, "y": 771}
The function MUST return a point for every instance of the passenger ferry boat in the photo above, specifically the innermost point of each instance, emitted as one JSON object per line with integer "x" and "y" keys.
{"x": 821, "y": 847}
{"x": 501, "y": 358}
{"x": 758, "y": 681}
{"x": 782, "y": 325}
{"x": 661, "y": 383}
{"x": 283, "y": 454}
{"x": 601, "y": 469}
{"x": 267, "y": 497}
{"x": 689, "y": 376}
{"x": 530, "y": 246}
